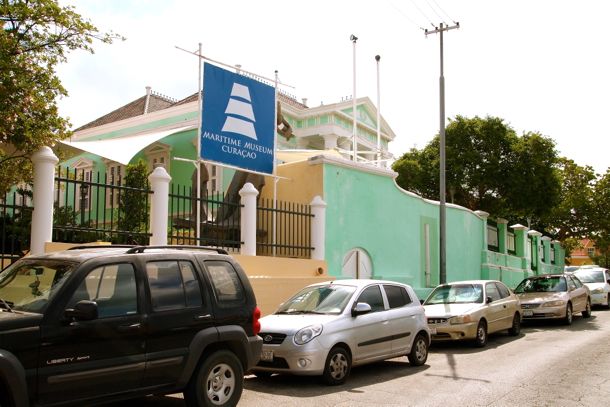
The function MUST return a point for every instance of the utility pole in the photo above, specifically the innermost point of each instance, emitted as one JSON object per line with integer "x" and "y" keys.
{"x": 442, "y": 188}
{"x": 353, "y": 39}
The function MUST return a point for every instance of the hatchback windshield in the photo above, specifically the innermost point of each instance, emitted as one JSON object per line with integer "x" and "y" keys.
{"x": 542, "y": 285}
{"x": 456, "y": 294}
{"x": 590, "y": 276}
{"x": 326, "y": 299}
{"x": 29, "y": 285}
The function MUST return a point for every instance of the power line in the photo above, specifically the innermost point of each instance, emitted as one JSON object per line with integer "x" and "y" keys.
{"x": 436, "y": 12}
{"x": 423, "y": 14}
{"x": 407, "y": 17}
{"x": 444, "y": 12}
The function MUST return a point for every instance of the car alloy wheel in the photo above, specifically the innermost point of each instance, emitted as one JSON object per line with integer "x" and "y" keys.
{"x": 338, "y": 366}
{"x": 419, "y": 351}
{"x": 587, "y": 311}
{"x": 218, "y": 381}
{"x": 481, "y": 338}
{"x": 515, "y": 329}
{"x": 569, "y": 317}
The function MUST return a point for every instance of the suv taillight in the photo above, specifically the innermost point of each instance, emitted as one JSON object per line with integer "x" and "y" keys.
{"x": 256, "y": 325}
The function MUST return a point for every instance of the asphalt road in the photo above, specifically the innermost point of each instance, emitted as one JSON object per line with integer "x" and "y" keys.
{"x": 549, "y": 364}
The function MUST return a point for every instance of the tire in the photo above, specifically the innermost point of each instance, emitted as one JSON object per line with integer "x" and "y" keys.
{"x": 515, "y": 329}
{"x": 608, "y": 302}
{"x": 419, "y": 350}
{"x": 217, "y": 381}
{"x": 480, "y": 339}
{"x": 337, "y": 367}
{"x": 586, "y": 313}
{"x": 569, "y": 317}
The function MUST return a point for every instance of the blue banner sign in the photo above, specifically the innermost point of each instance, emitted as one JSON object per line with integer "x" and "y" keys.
{"x": 238, "y": 123}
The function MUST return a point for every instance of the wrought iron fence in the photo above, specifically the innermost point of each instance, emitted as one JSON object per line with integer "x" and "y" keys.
{"x": 15, "y": 225}
{"x": 220, "y": 218}
{"x": 100, "y": 209}
{"x": 291, "y": 236}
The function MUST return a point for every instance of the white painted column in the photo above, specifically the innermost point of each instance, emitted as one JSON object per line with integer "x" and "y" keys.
{"x": 483, "y": 215}
{"x": 248, "y": 219}
{"x": 318, "y": 228}
{"x": 159, "y": 182}
{"x": 330, "y": 141}
{"x": 42, "y": 217}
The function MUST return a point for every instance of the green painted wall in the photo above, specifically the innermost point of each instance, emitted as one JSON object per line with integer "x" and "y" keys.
{"x": 369, "y": 211}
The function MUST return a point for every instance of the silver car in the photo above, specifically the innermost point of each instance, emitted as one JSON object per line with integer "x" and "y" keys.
{"x": 327, "y": 328}
{"x": 598, "y": 281}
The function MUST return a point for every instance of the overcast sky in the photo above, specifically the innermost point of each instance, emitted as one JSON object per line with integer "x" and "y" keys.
{"x": 541, "y": 65}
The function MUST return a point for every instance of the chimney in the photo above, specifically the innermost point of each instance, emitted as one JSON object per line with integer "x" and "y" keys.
{"x": 148, "y": 92}
{"x": 304, "y": 101}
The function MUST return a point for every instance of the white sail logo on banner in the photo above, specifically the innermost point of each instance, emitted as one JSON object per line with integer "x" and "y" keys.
{"x": 243, "y": 110}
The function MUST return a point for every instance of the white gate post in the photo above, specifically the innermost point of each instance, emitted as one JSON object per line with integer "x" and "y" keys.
{"x": 248, "y": 219}
{"x": 318, "y": 227}
{"x": 42, "y": 217}
{"x": 159, "y": 181}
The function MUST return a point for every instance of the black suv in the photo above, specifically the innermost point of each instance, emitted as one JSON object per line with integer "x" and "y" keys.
{"x": 103, "y": 323}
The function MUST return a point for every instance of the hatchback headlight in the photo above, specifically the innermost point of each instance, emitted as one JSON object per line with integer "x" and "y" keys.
{"x": 306, "y": 334}
{"x": 557, "y": 303}
{"x": 598, "y": 290}
{"x": 461, "y": 319}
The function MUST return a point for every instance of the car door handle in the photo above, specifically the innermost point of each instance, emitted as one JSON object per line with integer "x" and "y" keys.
{"x": 202, "y": 317}
{"x": 130, "y": 327}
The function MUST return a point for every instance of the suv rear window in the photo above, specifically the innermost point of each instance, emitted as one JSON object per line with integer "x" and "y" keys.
{"x": 225, "y": 282}
{"x": 173, "y": 285}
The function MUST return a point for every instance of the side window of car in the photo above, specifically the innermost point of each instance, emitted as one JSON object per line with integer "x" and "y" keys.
{"x": 226, "y": 284}
{"x": 577, "y": 282}
{"x": 114, "y": 289}
{"x": 571, "y": 283}
{"x": 503, "y": 290}
{"x": 173, "y": 285}
{"x": 397, "y": 296}
{"x": 372, "y": 296}
{"x": 492, "y": 291}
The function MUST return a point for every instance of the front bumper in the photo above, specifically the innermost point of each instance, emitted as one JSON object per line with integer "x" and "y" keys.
{"x": 449, "y": 332}
{"x": 287, "y": 357}
{"x": 538, "y": 312}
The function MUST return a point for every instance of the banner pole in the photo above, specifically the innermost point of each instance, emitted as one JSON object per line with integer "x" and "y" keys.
{"x": 275, "y": 167}
{"x": 198, "y": 165}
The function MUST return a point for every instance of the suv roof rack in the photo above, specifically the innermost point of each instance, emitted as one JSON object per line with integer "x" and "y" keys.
{"x": 141, "y": 249}
{"x": 101, "y": 246}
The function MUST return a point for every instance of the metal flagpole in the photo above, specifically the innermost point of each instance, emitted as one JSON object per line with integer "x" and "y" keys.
{"x": 275, "y": 181}
{"x": 198, "y": 161}
{"x": 353, "y": 38}
{"x": 377, "y": 58}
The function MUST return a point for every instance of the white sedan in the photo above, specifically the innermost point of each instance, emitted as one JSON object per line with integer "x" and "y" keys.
{"x": 327, "y": 328}
{"x": 598, "y": 281}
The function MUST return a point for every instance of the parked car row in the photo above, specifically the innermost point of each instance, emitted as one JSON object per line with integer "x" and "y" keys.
{"x": 327, "y": 328}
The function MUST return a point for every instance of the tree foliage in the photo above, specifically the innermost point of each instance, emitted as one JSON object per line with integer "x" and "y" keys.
{"x": 488, "y": 167}
{"x": 133, "y": 208}
{"x": 600, "y": 219}
{"x": 36, "y": 36}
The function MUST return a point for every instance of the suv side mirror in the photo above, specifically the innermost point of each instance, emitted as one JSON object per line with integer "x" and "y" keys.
{"x": 488, "y": 300}
{"x": 83, "y": 311}
{"x": 361, "y": 308}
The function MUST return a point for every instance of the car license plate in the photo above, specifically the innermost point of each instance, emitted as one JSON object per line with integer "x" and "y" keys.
{"x": 432, "y": 331}
{"x": 267, "y": 356}
{"x": 528, "y": 313}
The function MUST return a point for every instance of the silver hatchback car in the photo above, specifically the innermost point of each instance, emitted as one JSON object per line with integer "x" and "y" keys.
{"x": 327, "y": 328}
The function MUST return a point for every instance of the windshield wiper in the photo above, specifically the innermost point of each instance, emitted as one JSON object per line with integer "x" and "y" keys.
{"x": 6, "y": 305}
